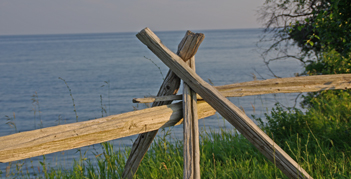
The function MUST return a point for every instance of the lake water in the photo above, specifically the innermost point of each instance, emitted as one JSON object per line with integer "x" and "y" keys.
{"x": 110, "y": 70}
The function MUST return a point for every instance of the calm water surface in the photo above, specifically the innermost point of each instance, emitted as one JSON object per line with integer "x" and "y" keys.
{"x": 109, "y": 70}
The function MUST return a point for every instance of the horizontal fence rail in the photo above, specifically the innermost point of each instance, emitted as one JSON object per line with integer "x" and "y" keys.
{"x": 277, "y": 85}
{"x": 69, "y": 136}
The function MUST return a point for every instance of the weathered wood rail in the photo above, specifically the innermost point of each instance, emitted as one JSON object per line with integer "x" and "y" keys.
{"x": 146, "y": 122}
{"x": 278, "y": 85}
{"x": 69, "y": 136}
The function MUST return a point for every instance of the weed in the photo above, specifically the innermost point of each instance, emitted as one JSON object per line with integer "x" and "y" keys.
{"x": 159, "y": 69}
{"x": 70, "y": 92}
{"x": 11, "y": 121}
{"x": 108, "y": 94}
{"x": 35, "y": 109}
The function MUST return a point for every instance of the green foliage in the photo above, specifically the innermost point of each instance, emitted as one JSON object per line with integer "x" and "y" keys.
{"x": 330, "y": 63}
{"x": 322, "y": 28}
{"x": 332, "y": 26}
{"x": 318, "y": 139}
{"x": 314, "y": 26}
{"x": 326, "y": 27}
{"x": 329, "y": 118}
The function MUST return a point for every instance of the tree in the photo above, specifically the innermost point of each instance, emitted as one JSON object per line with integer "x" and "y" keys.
{"x": 316, "y": 27}
{"x": 332, "y": 27}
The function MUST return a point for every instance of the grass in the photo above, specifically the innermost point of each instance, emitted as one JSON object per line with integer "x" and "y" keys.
{"x": 223, "y": 155}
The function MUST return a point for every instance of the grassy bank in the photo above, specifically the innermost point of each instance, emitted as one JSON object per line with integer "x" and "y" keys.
{"x": 223, "y": 155}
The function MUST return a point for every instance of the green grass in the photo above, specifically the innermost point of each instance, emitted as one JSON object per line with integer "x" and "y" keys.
{"x": 223, "y": 155}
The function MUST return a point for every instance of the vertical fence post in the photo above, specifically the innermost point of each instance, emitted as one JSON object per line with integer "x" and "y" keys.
{"x": 190, "y": 131}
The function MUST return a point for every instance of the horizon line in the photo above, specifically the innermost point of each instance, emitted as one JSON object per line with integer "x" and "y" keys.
{"x": 86, "y": 33}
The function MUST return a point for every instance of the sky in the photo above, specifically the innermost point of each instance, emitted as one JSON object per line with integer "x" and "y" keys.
{"x": 22, "y": 17}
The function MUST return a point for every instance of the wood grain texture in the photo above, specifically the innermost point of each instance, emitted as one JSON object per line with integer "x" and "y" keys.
{"x": 151, "y": 99}
{"x": 186, "y": 49}
{"x": 69, "y": 136}
{"x": 277, "y": 85}
{"x": 191, "y": 151}
{"x": 227, "y": 109}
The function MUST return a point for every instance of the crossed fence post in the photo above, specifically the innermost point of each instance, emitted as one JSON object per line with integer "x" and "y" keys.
{"x": 187, "y": 48}
{"x": 222, "y": 105}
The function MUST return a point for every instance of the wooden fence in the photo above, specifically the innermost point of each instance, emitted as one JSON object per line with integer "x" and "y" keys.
{"x": 199, "y": 100}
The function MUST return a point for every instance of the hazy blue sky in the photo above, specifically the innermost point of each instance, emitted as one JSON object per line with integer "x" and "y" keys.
{"x": 91, "y": 16}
